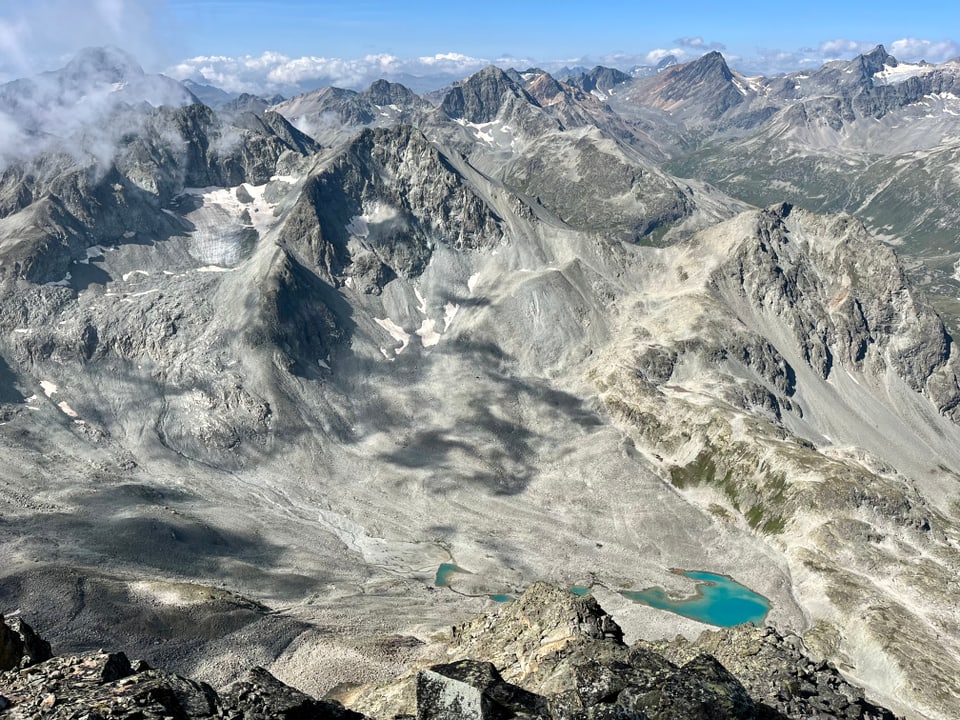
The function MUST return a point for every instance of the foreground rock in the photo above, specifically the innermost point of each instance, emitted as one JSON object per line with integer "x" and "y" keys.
{"x": 547, "y": 655}
{"x": 551, "y": 654}
{"x": 107, "y": 685}
{"x": 19, "y": 645}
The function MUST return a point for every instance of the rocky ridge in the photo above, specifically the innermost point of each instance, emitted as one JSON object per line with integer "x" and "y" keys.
{"x": 547, "y": 655}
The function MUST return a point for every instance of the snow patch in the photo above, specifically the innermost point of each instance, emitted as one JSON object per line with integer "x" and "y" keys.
{"x": 483, "y": 130}
{"x": 396, "y": 332}
{"x": 66, "y": 409}
{"x": 214, "y": 269}
{"x": 49, "y": 387}
{"x": 449, "y": 313}
{"x": 222, "y": 217}
{"x": 358, "y": 226}
{"x": 903, "y": 71}
{"x": 139, "y": 294}
{"x": 472, "y": 282}
{"x": 428, "y": 334}
{"x": 126, "y": 276}
{"x": 422, "y": 307}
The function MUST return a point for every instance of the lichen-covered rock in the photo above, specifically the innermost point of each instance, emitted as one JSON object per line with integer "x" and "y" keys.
{"x": 473, "y": 690}
{"x": 542, "y": 622}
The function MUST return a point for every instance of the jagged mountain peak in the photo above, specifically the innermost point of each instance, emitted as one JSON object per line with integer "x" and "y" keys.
{"x": 384, "y": 92}
{"x": 481, "y": 96}
{"x": 667, "y": 62}
{"x": 873, "y": 62}
{"x": 600, "y": 78}
{"x": 638, "y": 71}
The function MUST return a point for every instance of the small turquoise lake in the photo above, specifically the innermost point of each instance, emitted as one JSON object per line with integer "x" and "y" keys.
{"x": 718, "y": 600}
{"x": 445, "y": 571}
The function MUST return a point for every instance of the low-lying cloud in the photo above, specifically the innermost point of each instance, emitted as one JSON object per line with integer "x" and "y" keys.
{"x": 43, "y": 34}
{"x": 273, "y": 72}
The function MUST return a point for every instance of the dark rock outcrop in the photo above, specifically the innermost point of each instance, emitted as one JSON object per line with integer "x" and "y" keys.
{"x": 258, "y": 695}
{"x": 101, "y": 685}
{"x": 395, "y": 190}
{"x": 600, "y": 78}
{"x": 473, "y": 690}
{"x": 20, "y": 646}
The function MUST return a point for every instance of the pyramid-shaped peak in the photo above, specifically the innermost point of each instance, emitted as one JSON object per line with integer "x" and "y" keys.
{"x": 879, "y": 52}
{"x": 668, "y": 61}
{"x": 713, "y": 59}
{"x": 875, "y": 60}
{"x": 709, "y": 67}
{"x": 491, "y": 76}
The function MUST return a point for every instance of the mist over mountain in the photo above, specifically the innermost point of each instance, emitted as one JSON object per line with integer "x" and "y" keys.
{"x": 299, "y": 382}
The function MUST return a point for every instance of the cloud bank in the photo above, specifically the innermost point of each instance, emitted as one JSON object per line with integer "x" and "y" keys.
{"x": 274, "y": 72}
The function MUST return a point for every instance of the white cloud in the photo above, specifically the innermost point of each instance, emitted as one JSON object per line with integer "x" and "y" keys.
{"x": 41, "y": 34}
{"x": 843, "y": 48}
{"x": 698, "y": 43}
{"x": 655, "y": 56}
{"x": 273, "y": 72}
{"x": 913, "y": 50}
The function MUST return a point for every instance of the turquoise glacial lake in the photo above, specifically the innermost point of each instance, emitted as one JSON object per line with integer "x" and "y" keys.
{"x": 718, "y": 600}
{"x": 445, "y": 571}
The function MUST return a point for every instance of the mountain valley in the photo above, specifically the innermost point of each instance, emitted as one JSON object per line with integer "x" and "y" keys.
{"x": 266, "y": 369}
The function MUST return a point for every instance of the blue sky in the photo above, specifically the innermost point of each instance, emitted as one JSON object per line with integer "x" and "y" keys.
{"x": 290, "y": 45}
{"x": 543, "y": 30}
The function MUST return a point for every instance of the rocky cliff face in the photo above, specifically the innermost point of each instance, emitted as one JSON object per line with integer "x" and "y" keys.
{"x": 483, "y": 96}
{"x": 101, "y": 684}
{"x": 53, "y": 209}
{"x": 382, "y": 205}
{"x": 806, "y": 300}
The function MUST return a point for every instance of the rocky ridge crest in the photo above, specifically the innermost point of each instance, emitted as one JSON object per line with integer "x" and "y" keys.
{"x": 547, "y": 655}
